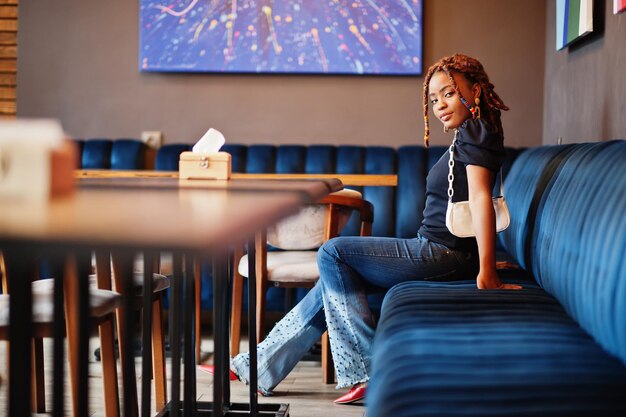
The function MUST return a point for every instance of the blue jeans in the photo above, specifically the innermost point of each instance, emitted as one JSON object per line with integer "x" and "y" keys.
{"x": 350, "y": 268}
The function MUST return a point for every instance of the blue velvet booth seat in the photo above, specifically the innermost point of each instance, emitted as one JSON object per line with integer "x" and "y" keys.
{"x": 128, "y": 154}
{"x": 555, "y": 348}
{"x": 96, "y": 154}
{"x": 168, "y": 156}
{"x": 120, "y": 154}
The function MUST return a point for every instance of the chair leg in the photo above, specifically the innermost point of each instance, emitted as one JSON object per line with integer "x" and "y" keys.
{"x": 328, "y": 369}
{"x": 109, "y": 368}
{"x": 198, "y": 289}
{"x": 38, "y": 386}
{"x": 261, "y": 283}
{"x": 121, "y": 340}
{"x": 237, "y": 304}
{"x": 158, "y": 354}
{"x": 71, "y": 315}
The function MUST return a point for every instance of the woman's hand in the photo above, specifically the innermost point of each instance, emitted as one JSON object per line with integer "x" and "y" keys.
{"x": 488, "y": 280}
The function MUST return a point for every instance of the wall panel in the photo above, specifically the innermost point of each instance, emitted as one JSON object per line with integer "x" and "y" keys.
{"x": 8, "y": 58}
{"x": 79, "y": 63}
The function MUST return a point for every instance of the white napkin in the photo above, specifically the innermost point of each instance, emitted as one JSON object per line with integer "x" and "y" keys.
{"x": 45, "y": 133}
{"x": 211, "y": 142}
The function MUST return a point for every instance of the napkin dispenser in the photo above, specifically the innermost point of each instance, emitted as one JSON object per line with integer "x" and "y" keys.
{"x": 36, "y": 162}
{"x": 194, "y": 165}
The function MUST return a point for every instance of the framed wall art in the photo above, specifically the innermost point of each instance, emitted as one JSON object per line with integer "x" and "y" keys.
{"x": 619, "y": 6}
{"x": 288, "y": 37}
{"x": 574, "y": 19}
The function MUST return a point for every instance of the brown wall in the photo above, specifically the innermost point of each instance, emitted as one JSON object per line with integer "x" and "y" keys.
{"x": 585, "y": 85}
{"x": 78, "y": 63}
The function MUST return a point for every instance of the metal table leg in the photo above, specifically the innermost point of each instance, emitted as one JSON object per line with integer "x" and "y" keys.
{"x": 188, "y": 340}
{"x": 146, "y": 343}
{"x": 218, "y": 332}
{"x": 19, "y": 266}
{"x": 175, "y": 301}
{"x": 251, "y": 326}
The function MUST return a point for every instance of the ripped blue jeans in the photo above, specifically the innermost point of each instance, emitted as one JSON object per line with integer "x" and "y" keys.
{"x": 350, "y": 268}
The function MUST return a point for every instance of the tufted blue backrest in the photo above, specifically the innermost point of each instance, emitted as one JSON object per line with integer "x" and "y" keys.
{"x": 128, "y": 154}
{"x": 381, "y": 160}
{"x": 261, "y": 159}
{"x": 97, "y": 154}
{"x": 168, "y": 155}
{"x": 397, "y": 210}
{"x": 321, "y": 159}
{"x": 524, "y": 187}
{"x": 239, "y": 154}
{"x": 410, "y": 194}
{"x": 579, "y": 241}
{"x": 290, "y": 159}
{"x": 80, "y": 144}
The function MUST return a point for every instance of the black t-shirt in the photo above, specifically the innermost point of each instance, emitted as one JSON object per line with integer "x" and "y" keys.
{"x": 477, "y": 144}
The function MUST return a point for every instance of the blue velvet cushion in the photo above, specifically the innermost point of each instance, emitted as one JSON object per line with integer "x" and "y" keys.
{"x": 97, "y": 154}
{"x": 523, "y": 188}
{"x": 452, "y": 350}
{"x": 168, "y": 155}
{"x": 381, "y": 160}
{"x": 579, "y": 242}
{"x": 239, "y": 155}
{"x": 290, "y": 159}
{"x": 261, "y": 159}
{"x": 80, "y": 144}
{"x": 320, "y": 159}
{"x": 350, "y": 159}
{"x": 128, "y": 154}
{"x": 410, "y": 193}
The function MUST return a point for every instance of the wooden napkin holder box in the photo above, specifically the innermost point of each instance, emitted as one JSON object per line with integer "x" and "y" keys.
{"x": 193, "y": 165}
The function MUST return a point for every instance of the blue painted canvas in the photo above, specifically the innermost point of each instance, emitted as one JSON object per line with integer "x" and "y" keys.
{"x": 265, "y": 36}
{"x": 574, "y": 19}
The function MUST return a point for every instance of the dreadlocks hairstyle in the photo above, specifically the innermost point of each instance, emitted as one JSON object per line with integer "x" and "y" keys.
{"x": 490, "y": 103}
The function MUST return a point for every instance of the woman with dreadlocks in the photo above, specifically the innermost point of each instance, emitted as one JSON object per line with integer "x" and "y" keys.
{"x": 464, "y": 100}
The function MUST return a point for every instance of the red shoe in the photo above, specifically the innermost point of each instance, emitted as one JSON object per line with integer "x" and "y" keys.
{"x": 357, "y": 393}
{"x": 210, "y": 369}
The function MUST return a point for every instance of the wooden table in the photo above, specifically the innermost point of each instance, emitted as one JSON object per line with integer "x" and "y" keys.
{"x": 124, "y": 218}
{"x": 346, "y": 179}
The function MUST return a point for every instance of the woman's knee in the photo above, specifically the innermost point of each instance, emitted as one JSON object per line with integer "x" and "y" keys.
{"x": 329, "y": 251}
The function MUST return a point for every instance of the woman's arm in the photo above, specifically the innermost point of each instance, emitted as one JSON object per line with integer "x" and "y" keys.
{"x": 479, "y": 180}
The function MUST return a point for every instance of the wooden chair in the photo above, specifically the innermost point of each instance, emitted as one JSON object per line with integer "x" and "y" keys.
{"x": 102, "y": 306}
{"x": 337, "y": 208}
{"x": 108, "y": 267}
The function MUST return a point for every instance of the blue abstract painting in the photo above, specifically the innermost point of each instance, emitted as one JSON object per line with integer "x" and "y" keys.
{"x": 265, "y": 36}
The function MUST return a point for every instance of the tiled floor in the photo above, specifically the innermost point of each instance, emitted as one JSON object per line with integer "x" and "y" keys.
{"x": 302, "y": 389}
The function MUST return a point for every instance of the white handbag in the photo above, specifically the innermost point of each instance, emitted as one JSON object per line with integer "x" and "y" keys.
{"x": 459, "y": 216}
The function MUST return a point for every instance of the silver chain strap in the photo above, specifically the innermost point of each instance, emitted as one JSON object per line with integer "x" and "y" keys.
{"x": 451, "y": 171}
{"x": 451, "y": 168}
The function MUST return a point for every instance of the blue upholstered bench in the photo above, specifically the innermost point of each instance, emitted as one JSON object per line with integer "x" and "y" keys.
{"x": 556, "y": 348}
